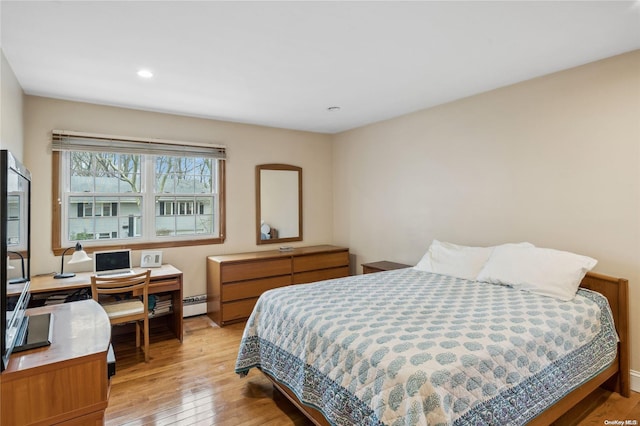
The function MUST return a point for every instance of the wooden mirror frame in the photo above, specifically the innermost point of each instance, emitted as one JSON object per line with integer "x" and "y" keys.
{"x": 280, "y": 167}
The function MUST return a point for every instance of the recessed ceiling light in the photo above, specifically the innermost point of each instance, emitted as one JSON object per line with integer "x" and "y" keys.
{"x": 145, "y": 74}
{"x": 333, "y": 109}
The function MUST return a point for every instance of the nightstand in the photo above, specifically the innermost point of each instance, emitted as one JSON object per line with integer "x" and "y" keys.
{"x": 368, "y": 268}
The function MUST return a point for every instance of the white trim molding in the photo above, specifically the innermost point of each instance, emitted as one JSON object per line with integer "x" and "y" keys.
{"x": 635, "y": 381}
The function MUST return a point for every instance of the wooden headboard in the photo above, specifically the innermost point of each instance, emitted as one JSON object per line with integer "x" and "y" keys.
{"x": 616, "y": 290}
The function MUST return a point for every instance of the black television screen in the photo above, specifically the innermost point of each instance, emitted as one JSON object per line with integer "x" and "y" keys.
{"x": 15, "y": 250}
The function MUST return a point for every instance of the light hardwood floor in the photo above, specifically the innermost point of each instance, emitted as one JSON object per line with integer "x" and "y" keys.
{"x": 194, "y": 383}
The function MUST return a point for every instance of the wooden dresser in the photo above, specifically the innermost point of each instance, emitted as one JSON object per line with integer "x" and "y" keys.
{"x": 235, "y": 281}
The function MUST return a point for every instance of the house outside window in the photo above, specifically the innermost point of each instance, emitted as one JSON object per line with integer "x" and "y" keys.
{"x": 15, "y": 229}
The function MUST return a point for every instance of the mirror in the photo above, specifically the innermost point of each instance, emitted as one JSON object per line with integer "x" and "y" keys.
{"x": 278, "y": 203}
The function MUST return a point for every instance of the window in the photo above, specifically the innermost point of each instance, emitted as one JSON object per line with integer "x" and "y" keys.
{"x": 143, "y": 194}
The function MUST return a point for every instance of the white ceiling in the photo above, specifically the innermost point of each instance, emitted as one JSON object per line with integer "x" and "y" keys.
{"x": 283, "y": 64}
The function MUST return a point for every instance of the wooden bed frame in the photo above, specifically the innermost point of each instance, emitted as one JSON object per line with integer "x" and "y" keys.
{"x": 616, "y": 378}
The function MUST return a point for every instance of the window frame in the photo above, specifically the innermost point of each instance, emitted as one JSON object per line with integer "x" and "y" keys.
{"x": 57, "y": 217}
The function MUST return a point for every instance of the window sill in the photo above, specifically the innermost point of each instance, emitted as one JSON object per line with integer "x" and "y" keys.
{"x": 57, "y": 251}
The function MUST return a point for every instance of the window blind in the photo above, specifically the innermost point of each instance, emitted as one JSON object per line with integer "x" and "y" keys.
{"x": 63, "y": 140}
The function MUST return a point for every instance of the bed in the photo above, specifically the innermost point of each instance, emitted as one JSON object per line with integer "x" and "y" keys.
{"x": 415, "y": 347}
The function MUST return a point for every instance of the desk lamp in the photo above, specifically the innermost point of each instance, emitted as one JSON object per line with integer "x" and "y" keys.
{"x": 79, "y": 256}
{"x": 23, "y": 278}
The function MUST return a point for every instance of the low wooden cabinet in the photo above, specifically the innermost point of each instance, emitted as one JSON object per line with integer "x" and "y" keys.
{"x": 65, "y": 383}
{"x": 235, "y": 281}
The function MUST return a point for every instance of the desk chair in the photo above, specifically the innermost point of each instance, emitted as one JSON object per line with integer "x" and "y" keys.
{"x": 131, "y": 309}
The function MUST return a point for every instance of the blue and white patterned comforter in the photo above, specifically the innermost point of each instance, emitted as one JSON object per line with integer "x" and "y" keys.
{"x": 408, "y": 347}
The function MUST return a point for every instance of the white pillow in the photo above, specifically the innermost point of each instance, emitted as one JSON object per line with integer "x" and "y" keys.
{"x": 456, "y": 260}
{"x": 542, "y": 271}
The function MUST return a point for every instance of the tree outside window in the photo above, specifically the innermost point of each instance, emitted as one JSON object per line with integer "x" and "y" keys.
{"x": 105, "y": 197}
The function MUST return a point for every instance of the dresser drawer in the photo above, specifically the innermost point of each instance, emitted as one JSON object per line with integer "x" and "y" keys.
{"x": 313, "y": 262}
{"x": 255, "y": 269}
{"x": 239, "y": 310}
{"x": 322, "y": 274}
{"x": 252, "y": 288}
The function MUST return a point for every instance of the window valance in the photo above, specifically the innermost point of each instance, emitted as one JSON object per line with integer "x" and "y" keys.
{"x": 64, "y": 140}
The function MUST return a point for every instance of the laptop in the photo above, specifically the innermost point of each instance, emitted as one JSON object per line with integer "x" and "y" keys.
{"x": 112, "y": 263}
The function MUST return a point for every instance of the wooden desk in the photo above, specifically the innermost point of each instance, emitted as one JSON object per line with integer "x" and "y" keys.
{"x": 165, "y": 279}
{"x": 65, "y": 382}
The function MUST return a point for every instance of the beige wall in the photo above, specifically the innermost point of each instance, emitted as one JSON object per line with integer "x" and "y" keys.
{"x": 554, "y": 161}
{"x": 247, "y": 146}
{"x": 11, "y": 96}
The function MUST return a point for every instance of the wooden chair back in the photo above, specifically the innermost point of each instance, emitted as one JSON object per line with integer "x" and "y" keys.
{"x": 126, "y": 309}
{"x": 135, "y": 284}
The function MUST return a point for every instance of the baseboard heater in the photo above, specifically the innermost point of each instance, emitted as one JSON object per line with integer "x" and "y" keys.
{"x": 194, "y": 305}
